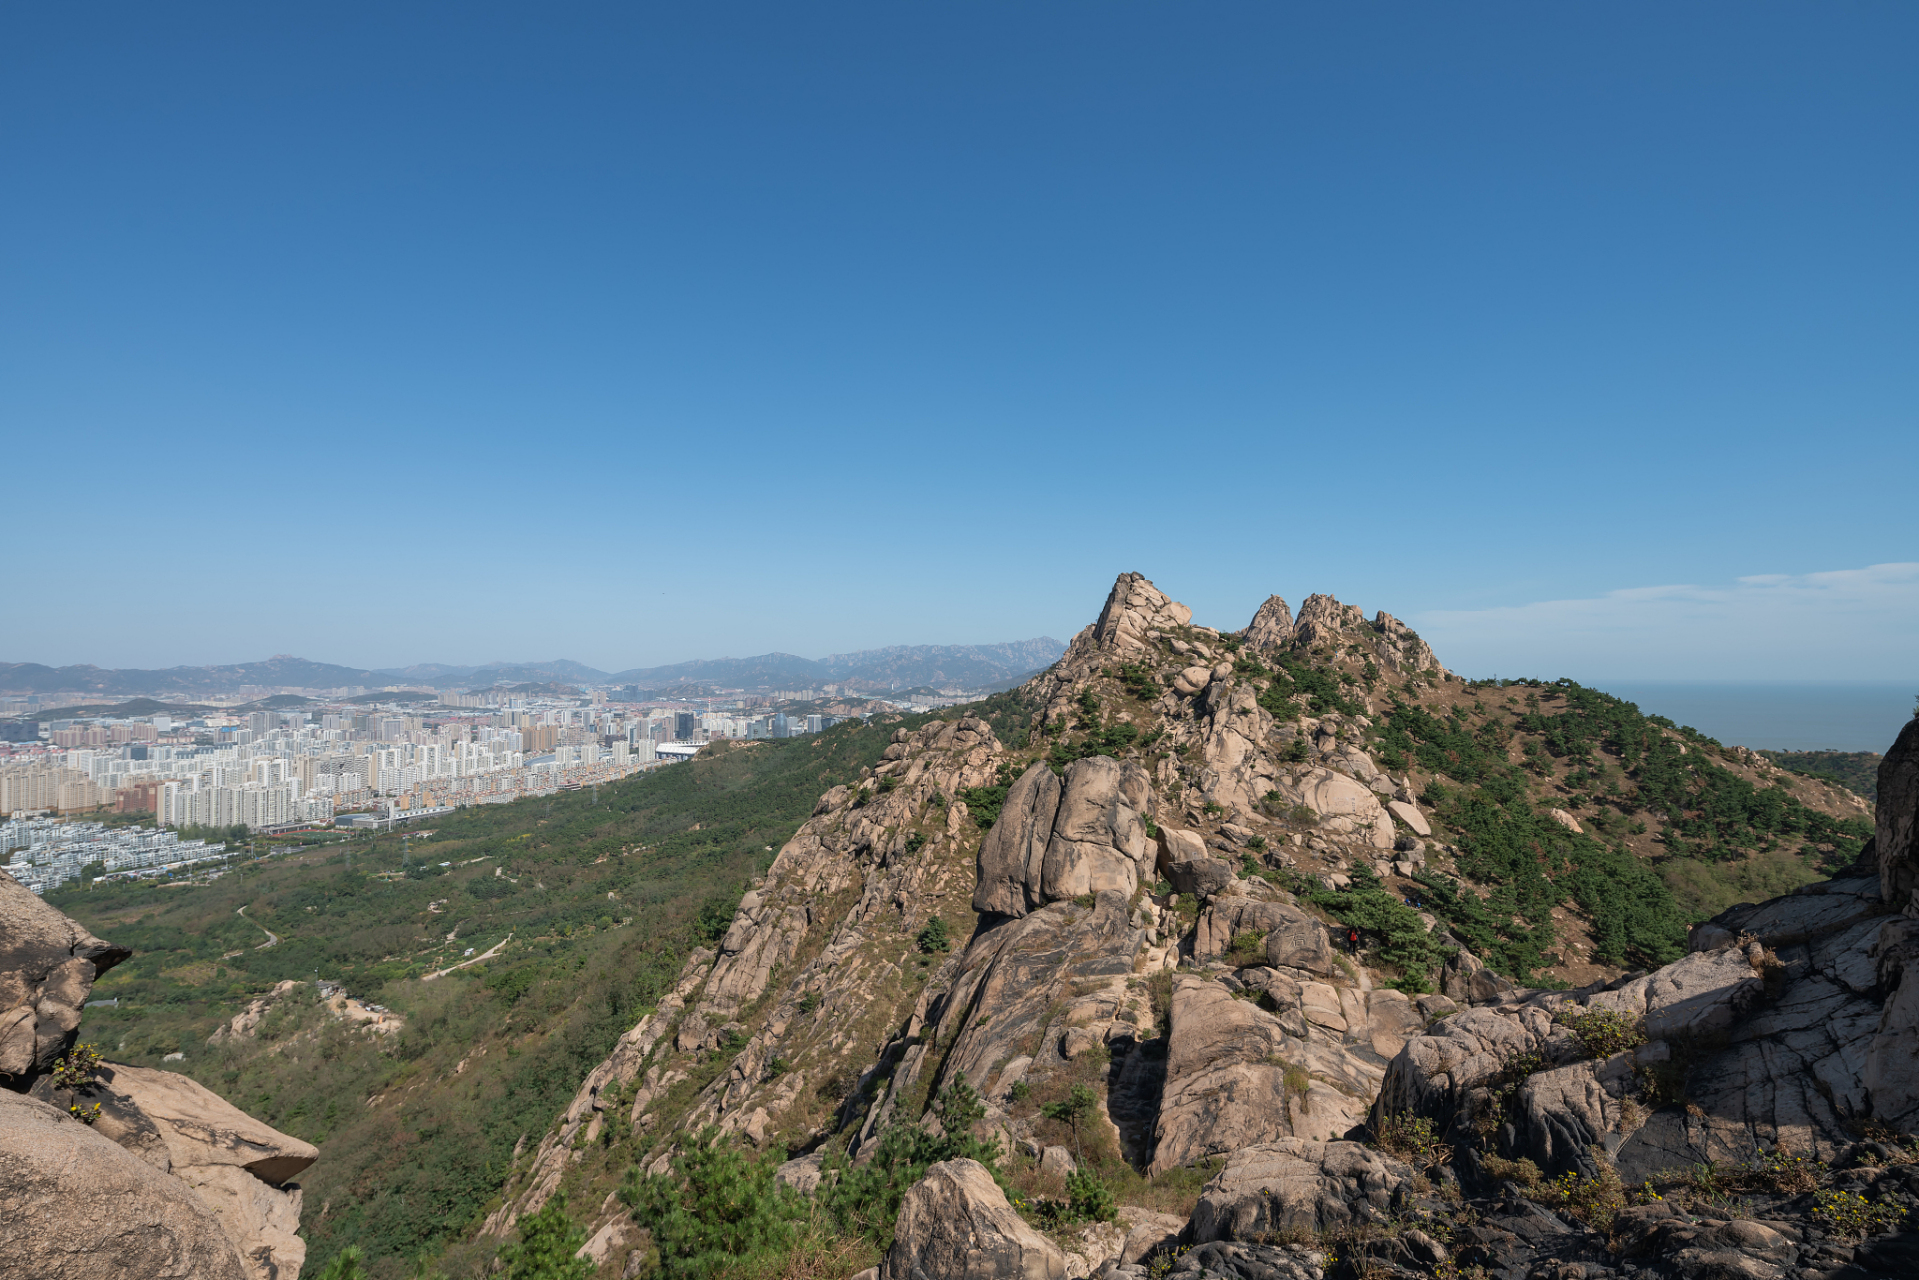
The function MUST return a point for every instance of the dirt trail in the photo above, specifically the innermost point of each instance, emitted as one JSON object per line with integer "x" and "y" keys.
{"x": 273, "y": 939}
{"x": 487, "y": 955}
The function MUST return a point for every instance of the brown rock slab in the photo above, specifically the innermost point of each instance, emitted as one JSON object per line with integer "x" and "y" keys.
{"x": 955, "y": 1224}
{"x": 1296, "y": 1185}
{"x": 75, "y": 1205}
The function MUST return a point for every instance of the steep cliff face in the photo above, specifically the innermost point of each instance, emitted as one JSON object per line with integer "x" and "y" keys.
{"x": 117, "y": 1170}
{"x": 1146, "y": 913}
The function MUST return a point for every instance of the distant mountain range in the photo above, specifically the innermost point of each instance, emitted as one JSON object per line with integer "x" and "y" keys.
{"x": 969, "y": 666}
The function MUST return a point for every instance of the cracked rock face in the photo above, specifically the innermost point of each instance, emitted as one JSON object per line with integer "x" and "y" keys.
{"x": 240, "y": 1167}
{"x": 820, "y": 942}
{"x": 1299, "y": 1185}
{"x": 1790, "y": 1040}
{"x": 1271, "y": 628}
{"x": 1896, "y": 828}
{"x": 1064, "y": 839}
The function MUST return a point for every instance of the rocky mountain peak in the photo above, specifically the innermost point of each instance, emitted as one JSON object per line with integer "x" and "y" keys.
{"x": 1271, "y": 628}
{"x": 1133, "y": 608}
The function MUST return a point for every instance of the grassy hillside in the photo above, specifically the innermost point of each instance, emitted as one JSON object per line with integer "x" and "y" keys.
{"x": 1674, "y": 825}
{"x": 603, "y": 895}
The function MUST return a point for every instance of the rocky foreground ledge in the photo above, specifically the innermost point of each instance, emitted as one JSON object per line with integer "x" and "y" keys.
{"x": 119, "y": 1171}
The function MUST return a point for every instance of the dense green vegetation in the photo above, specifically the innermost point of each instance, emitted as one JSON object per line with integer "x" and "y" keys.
{"x": 1619, "y": 762}
{"x": 1293, "y": 675}
{"x": 1096, "y": 735}
{"x": 603, "y": 893}
{"x": 1857, "y": 771}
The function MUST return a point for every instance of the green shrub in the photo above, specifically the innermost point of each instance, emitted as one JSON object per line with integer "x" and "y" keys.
{"x": 933, "y": 937}
{"x": 1138, "y": 681}
{"x": 1397, "y": 935}
{"x": 1595, "y": 1201}
{"x": 348, "y": 1264}
{"x": 78, "y": 1069}
{"x": 1847, "y": 1213}
{"x": 1522, "y": 1170}
{"x": 1603, "y": 1032}
{"x": 983, "y": 804}
{"x": 715, "y": 1209}
{"x": 1248, "y": 949}
{"x": 548, "y": 1240}
{"x": 1411, "y": 1138}
{"x": 1090, "y": 1199}
{"x": 864, "y": 1199}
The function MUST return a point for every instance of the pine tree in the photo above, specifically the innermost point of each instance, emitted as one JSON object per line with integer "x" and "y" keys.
{"x": 716, "y": 1207}
{"x": 548, "y": 1240}
{"x": 345, "y": 1265}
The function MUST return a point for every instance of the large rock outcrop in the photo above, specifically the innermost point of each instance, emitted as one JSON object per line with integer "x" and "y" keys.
{"x": 1057, "y": 840}
{"x": 955, "y": 1224}
{"x": 817, "y": 970}
{"x": 1134, "y": 608}
{"x": 1896, "y": 825}
{"x": 1276, "y": 1053}
{"x": 47, "y": 967}
{"x": 1299, "y": 1185}
{"x": 74, "y": 1205}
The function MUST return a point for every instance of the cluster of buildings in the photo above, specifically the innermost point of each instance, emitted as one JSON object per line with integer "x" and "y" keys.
{"x": 43, "y": 853}
{"x": 278, "y": 769}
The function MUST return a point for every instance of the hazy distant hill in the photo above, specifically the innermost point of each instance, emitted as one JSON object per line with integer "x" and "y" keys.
{"x": 281, "y": 670}
{"x": 896, "y": 667}
{"x": 901, "y": 666}
{"x": 442, "y": 676}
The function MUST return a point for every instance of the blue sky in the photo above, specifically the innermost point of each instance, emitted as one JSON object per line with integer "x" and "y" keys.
{"x": 1582, "y": 336}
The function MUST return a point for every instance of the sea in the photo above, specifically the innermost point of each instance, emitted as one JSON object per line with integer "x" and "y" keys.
{"x": 1779, "y": 717}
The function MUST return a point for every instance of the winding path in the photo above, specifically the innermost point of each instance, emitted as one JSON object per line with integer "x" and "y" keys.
{"x": 273, "y": 939}
{"x": 492, "y": 951}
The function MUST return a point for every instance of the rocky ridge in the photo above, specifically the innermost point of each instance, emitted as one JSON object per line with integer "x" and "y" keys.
{"x": 1116, "y": 936}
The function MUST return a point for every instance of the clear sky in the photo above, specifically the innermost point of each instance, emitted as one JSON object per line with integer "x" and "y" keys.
{"x": 1582, "y": 336}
